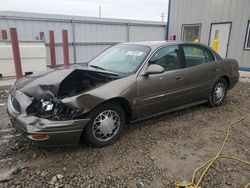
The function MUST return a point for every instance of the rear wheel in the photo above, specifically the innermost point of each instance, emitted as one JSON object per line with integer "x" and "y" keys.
{"x": 106, "y": 124}
{"x": 218, "y": 93}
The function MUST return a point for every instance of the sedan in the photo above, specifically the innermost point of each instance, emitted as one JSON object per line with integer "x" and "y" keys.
{"x": 128, "y": 82}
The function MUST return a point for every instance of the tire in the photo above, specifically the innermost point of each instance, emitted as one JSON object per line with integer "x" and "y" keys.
{"x": 218, "y": 93}
{"x": 106, "y": 125}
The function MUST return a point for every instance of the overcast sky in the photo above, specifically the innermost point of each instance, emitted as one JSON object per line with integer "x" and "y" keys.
{"x": 126, "y": 9}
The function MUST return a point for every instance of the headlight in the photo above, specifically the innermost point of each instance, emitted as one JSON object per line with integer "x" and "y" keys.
{"x": 14, "y": 104}
{"x": 47, "y": 105}
{"x": 52, "y": 109}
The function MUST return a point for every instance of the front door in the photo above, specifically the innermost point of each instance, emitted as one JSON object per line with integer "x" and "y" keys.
{"x": 159, "y": 92}
{"x": 220, "y": 31}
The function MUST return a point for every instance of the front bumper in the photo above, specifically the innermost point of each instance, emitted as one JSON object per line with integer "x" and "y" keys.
{"x": 59, "y": 132}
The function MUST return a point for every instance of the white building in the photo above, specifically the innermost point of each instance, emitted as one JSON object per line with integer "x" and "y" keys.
{"x": 230, "y": 19}
{"x": 88, "y": 36}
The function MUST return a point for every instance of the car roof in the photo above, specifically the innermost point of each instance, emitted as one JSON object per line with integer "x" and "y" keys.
{"x": 153, "y": 44}
{"x": 156, "y": 44}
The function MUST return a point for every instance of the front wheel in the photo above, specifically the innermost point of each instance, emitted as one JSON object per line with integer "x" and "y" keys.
{"x": 218, "y": 93}
{"x": 106, "y": 124}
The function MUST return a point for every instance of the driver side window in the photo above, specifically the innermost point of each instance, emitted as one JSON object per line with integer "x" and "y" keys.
{"x": 168, "y": 57}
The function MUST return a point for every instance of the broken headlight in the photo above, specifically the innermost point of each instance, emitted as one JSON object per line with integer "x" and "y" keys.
{"x": 52, "y": 109}
{"x": 47, "y": 105}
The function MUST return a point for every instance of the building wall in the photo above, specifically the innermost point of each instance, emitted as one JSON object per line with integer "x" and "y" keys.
{"x": 213, "y": 11}
{"x": 29, "y": 52}
{"x": 87, "y": 36}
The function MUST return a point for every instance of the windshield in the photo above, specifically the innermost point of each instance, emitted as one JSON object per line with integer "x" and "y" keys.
{"x": 122, "y": 58}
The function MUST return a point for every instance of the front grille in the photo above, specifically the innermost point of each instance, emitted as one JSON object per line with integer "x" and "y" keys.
{"x": 15, "y": 105}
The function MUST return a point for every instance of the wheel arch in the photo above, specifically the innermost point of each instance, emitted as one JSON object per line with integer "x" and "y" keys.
{"x": 123, "y": 103}
{"x": 227, "y": 78}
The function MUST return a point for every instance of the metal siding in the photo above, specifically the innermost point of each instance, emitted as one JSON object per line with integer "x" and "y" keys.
{"x": 245, "y": 55}
{"x": 59, "y": 55}
{"x": 88, "y": 52}
{"x": 213, "y": 11}
{"x": 100, "y": 33}
{"x": 90, "y": 30}
{"x": 142, "y": 33}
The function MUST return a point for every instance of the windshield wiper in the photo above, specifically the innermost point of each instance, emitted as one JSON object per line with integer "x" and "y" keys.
{"x": 97, "y": 67}
{"x": 84, "y": 64}
{"x": 109, "y": 72}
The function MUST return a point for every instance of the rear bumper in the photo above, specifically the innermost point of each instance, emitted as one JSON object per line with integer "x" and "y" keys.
{"x": 59, "y": 132}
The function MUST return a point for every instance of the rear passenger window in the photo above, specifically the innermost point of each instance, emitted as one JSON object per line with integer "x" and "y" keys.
{"x": 194, "y": 56}
{"x": 209, "y": 55}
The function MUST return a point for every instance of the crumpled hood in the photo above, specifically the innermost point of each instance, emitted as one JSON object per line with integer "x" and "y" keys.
{"x": 35, "y": 85}
{"x": 49, "y": 84}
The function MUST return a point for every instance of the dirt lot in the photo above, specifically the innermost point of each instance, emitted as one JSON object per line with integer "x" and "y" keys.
{"x": 153, "y": 153}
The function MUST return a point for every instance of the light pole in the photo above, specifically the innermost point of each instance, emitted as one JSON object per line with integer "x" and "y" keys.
{"x": 100, "y": 11}
{"x": 162, "y": 16}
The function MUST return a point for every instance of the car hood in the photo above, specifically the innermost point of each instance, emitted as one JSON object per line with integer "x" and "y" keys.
{"x": 62, "y": 83}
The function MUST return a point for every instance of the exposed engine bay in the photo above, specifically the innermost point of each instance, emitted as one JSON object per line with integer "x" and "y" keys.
{"x": 81, "y": 81}
{"x": 46, "y": 101}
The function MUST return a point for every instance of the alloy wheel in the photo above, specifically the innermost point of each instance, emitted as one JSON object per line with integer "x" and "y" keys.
{"x": 106, "y": 125}
{"x": 219, "y": 92}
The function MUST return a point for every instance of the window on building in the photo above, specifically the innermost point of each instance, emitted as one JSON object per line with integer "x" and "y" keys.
{"x": 168, "y": 57}
{"x": 247, "y": 41}
{"x": 191, "y": 32}
{"x": 194, "y": 55}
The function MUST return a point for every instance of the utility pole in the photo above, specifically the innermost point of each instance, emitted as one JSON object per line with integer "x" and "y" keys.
{"x": 100, "y": 11}
{"x": 162, "y": 16}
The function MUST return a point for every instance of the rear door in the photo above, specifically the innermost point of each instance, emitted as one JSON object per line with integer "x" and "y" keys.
{"x": 199, "y": 72}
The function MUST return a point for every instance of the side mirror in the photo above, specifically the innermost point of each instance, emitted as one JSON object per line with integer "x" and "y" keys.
{"x": 154, "y": 69}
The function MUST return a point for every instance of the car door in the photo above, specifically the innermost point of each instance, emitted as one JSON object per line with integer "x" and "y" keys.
{"x": 199, "y": 72}
{"x": 159, "y": 92}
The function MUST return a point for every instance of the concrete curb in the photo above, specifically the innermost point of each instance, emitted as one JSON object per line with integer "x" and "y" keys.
{"x": 5, "y": 87}
{"x": 6, "y": 84}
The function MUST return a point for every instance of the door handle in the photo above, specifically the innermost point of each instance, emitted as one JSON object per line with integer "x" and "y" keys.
{"x": 179, "y": 77}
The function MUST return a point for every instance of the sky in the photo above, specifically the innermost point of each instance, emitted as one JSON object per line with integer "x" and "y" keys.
{"x": 125, "y": 9}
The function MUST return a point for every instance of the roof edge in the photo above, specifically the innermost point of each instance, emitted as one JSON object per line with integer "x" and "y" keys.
{"x": 6, "y": 14}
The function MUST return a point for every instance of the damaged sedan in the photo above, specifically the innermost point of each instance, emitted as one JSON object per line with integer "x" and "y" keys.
{"x": 128, "y": 82}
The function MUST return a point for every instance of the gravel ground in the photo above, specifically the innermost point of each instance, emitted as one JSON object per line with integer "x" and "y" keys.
{"x": 153, "y": 153}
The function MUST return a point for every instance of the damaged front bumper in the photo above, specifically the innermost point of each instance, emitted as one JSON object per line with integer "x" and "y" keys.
{"x": 42, "y": 131}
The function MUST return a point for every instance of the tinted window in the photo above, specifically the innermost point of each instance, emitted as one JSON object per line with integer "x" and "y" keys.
{"x": 167, "y": 57}
{"x": 194, "y": 56}
{"x": 209, "y": 55}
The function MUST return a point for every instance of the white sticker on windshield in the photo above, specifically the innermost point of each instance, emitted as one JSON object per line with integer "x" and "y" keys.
{"x": 134, "y": 53}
